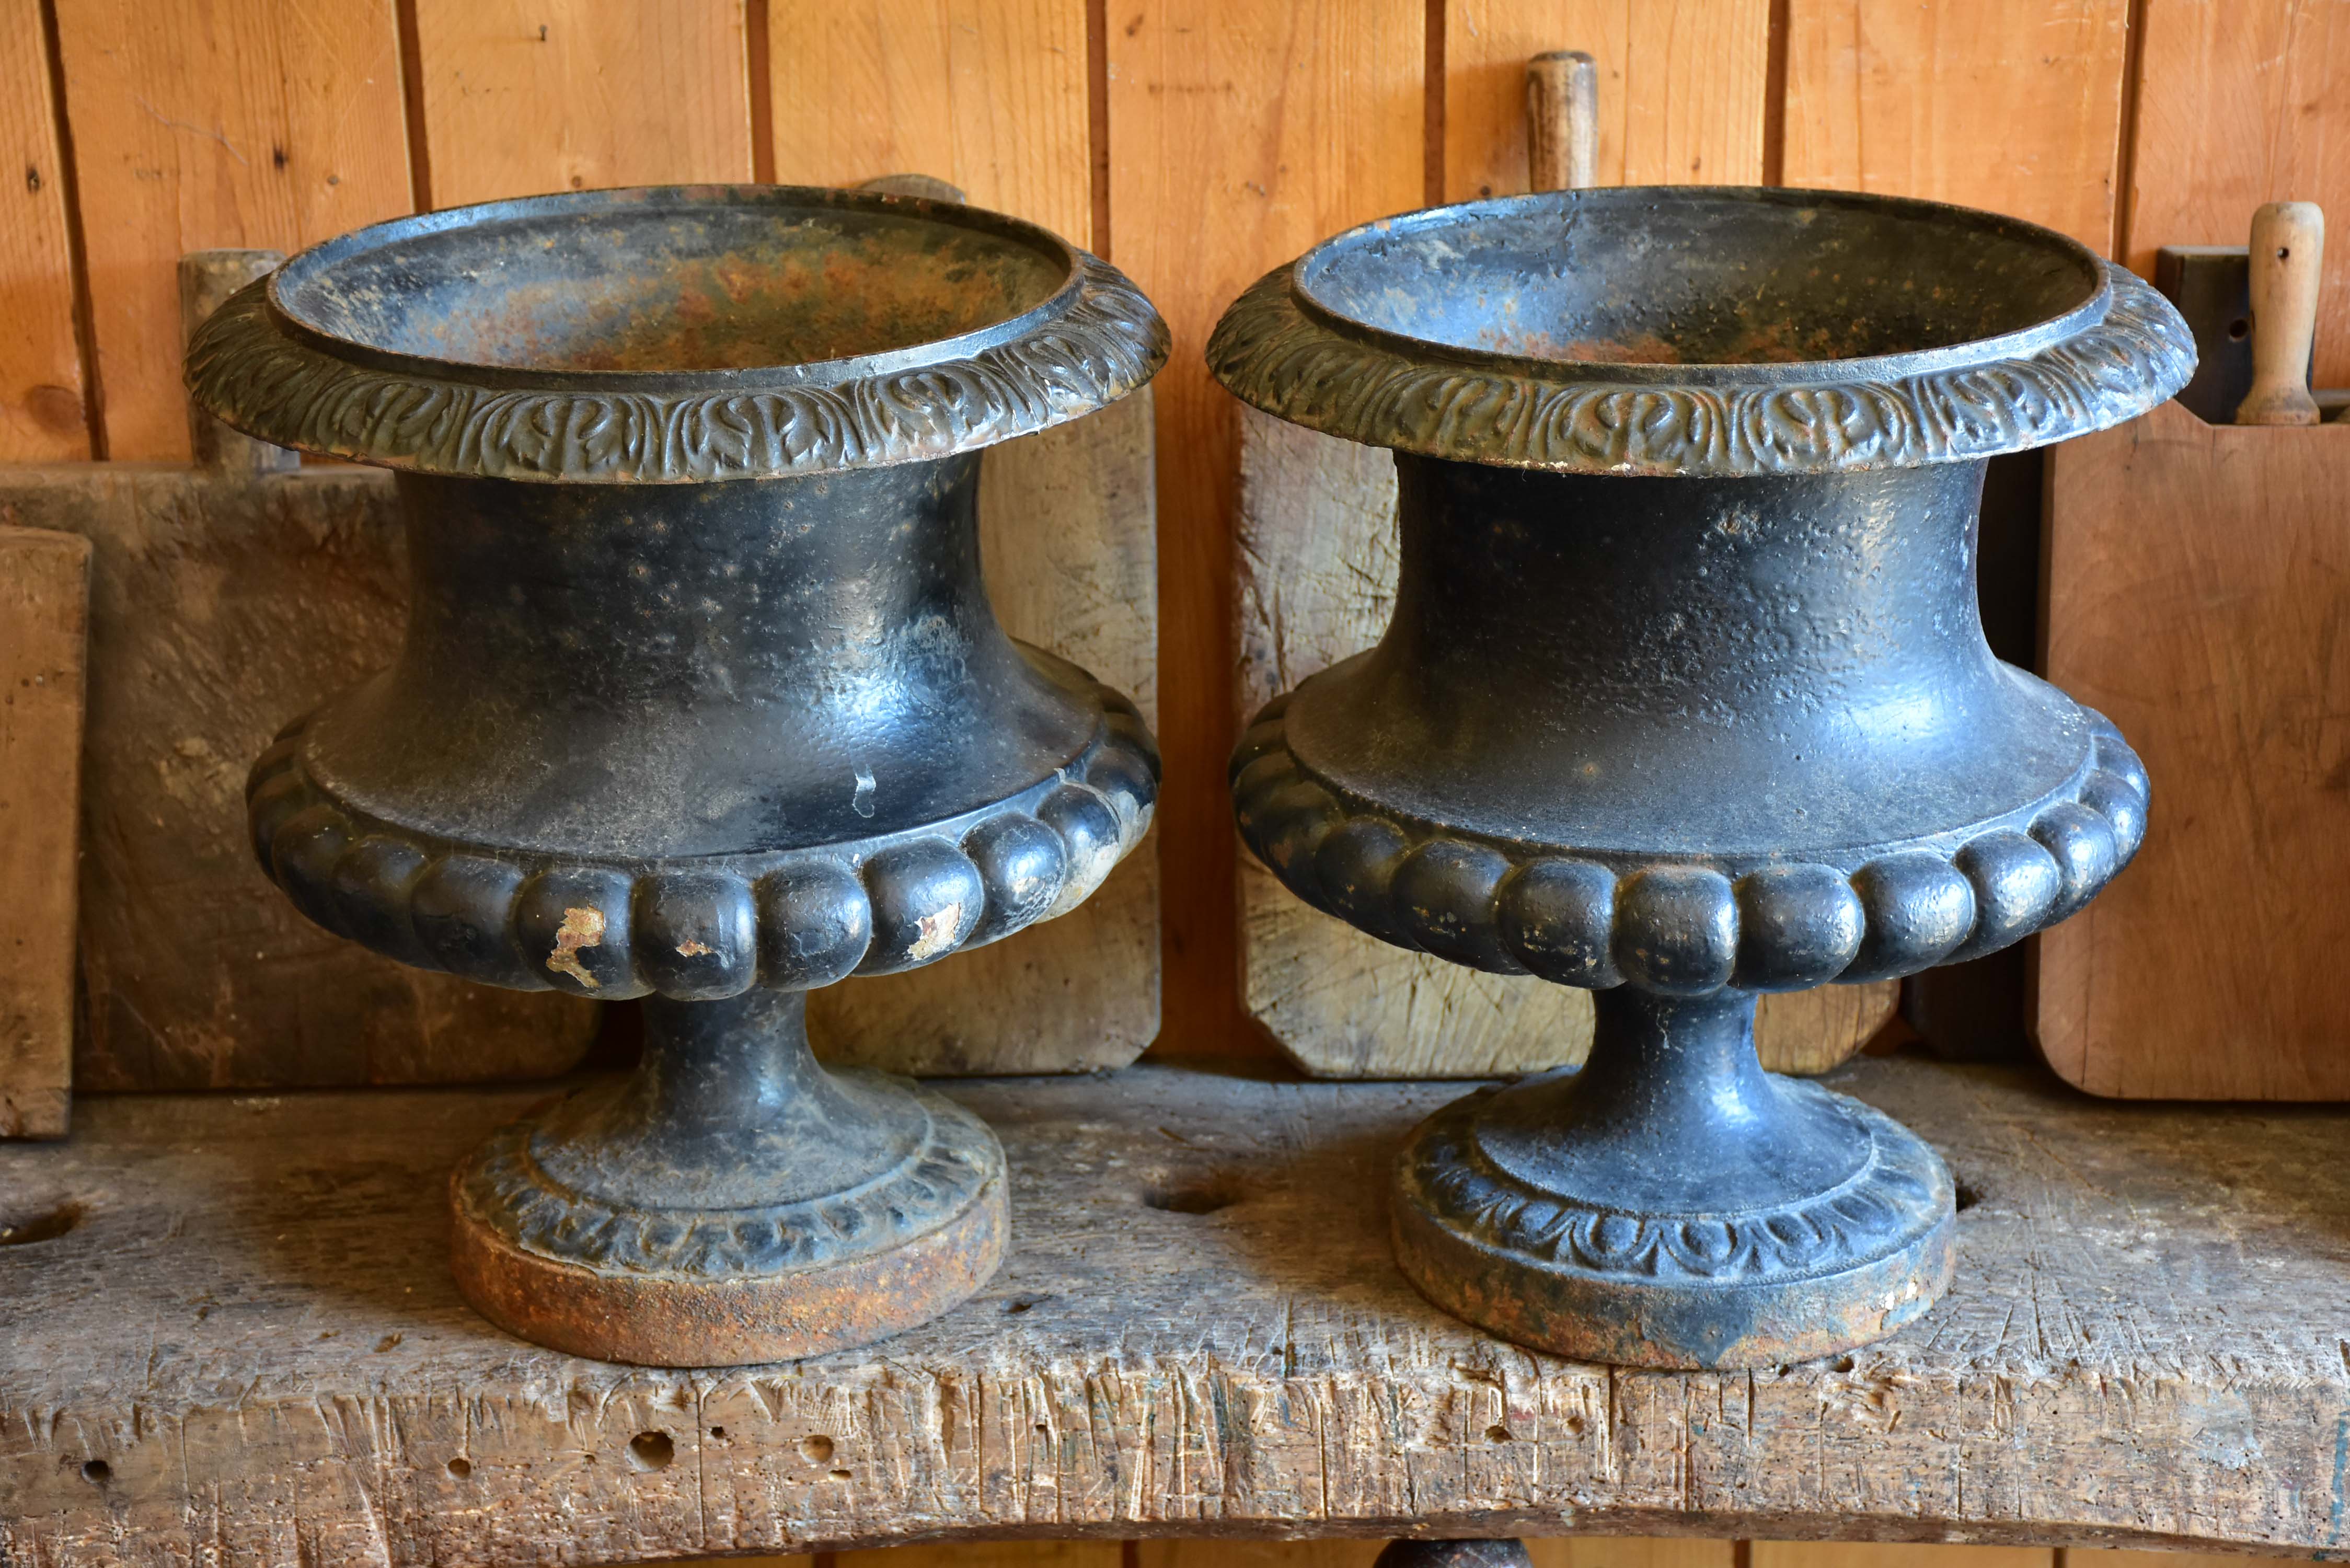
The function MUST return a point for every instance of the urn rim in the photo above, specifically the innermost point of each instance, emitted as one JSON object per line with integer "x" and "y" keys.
{"x": 275, "y": 361}
{"x": 1321, "y": 342}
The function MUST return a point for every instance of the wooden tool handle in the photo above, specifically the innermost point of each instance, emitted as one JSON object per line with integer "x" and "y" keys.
{"x": 2287, "y": 244}
{"x": 1563, "y": 121}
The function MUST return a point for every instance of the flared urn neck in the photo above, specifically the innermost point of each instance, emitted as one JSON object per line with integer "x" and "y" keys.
{"x": 670, "y": 670}
{"x": 1716, "y": 666}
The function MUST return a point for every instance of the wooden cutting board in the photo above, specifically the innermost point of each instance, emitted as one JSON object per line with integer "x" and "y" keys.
{"x": 2200, "y": 597}
{"x": 1317, "y": 580}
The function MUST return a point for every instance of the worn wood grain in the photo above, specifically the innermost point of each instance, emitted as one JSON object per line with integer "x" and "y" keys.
{"x": 42, "y": 419}
{"x": 2241, "y": 102}
{"x": 1317, "y": 581}
{"x": 1680, "y": 88}
{"x": 2013, "y": 105}
{"x": 44, "y": 640}
{"x": 201, "y": 123}
{"x": 525, "y": 96}
{"x": 1067, "y": 539}
{"x": 989, "y": 95}
{"x": 2196, "y": 597}
{"x": 1240, "y": 133}
{"x": 1199, "y": 1333}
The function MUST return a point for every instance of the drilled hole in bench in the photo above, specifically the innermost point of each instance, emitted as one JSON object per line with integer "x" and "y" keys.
{"x": 817, "y": 1451}
{"x": 44, "y": 1225}
{"x": 651, "y": 1450}
{"x": 1497, "y": 1434}
{"x": 460, "y": 1468}
{"x": 1967, "y": 1197}
{"x": 98, "y": 1472}
{"x": 1192, "y": 1197}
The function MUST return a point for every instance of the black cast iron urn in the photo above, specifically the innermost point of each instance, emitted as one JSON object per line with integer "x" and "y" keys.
{"x": 1685, "y": 698}
{"x": 701, "y": 701}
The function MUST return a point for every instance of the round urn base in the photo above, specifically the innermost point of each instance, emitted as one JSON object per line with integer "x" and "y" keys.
{"x": 1601, "y": 1215}
{"x": 812, "y": 1211}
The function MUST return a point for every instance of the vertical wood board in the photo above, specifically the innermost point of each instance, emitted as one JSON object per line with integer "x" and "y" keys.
{"x": 41, "y": 412}
{"x": 2241, "y": 102}
{"x": 44, "y": 636}
{"x": 2197, "y": 598}
{"x": 203, "y": 123}
{"x": 1680, "y": 88}
{"x": 2011, "y": 105}
{"x": 523, "y": 96}
{"x": 989, "y": 97}
{"x": 1240, "y": 133}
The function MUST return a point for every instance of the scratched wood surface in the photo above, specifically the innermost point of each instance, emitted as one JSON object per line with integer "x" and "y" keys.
{"x": 2196, "y": 597}
{"x": 2013, "y": 105}
{"x": 44, "y": 640}
{"x": 1317, "y": 581}
{"x": 1199, "y": 1333}
{"x": 203, "y": 123}
{"x": 1681, "y": 88}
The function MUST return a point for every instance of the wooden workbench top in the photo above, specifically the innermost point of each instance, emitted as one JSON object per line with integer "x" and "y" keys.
{"x": 247, "y": 1347}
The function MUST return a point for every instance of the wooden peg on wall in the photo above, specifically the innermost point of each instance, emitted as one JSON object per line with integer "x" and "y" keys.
{"x": 2287, "y": 250}
{"x": 1563, "y": 121}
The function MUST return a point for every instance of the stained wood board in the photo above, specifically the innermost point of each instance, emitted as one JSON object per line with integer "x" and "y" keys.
{"x": 1583, "y": 1552}
{"x": 1681, "y": 88}
{"x": 44, "y": 639}
{"x": 2011, "y": 105}
{"x": 2196, "y": 596}
{"x": 521, "y": 96}
{"x": 2143, "y": 1346}
{"x": 42, "y": 419}
{"x": 1240, "y": 133}
{"x": 201, "y": 123}
{"x": 1318, "y": 549}
{"x": 2241, "y": 102}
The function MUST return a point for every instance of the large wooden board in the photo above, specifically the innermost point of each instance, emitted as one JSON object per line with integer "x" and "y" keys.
{"x": 1682, "y": 86}
{"x": 1199, "y": 1333}
{"x": 2013, "y": 105}
{"x": 2196, "y": 596}
{"x": 526, "y": 95}
{"x": 44, "y": 637}
{"x": 42, "y": 419}
{"x": 202, "y": 123}
{"x": 1240, "y": 133}
{"x": 2241, "y": 102}
{"x": 1317, "y": 550}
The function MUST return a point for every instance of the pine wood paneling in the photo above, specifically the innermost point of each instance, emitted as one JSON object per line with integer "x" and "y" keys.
{"x": 41, "y": 417}
{"x": 988, "y": 94}
{"x": 196, "y": 123}
{"x": 526, "y": 95}
{"x": 2241, "y": 102}
{"x": 1240, "y": 133}
{"x": 2013, "y": 105}
{"x": 1680, "y": 88}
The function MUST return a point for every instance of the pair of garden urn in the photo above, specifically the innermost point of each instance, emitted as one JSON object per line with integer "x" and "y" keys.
{"x": 1685, "y": 699}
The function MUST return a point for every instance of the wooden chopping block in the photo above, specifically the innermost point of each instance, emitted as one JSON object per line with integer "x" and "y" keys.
{"x": 44, "y": 632}
{"x": 1317, "y": 580}
{"x": 2200, "y": 597}
{"x": 229, "y": 596}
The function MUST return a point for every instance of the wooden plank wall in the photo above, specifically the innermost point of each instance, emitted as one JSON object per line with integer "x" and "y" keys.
{"x": 1197, "y": 143}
